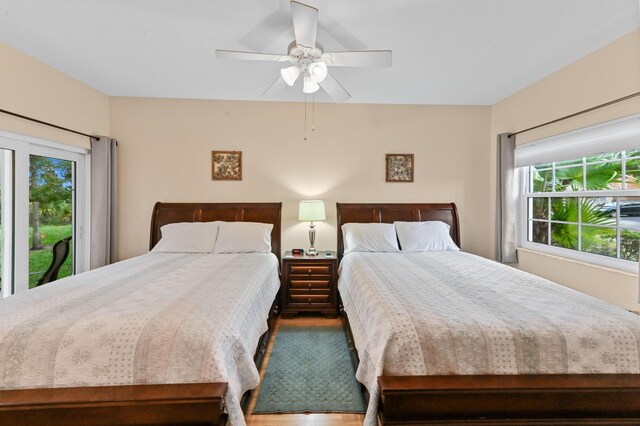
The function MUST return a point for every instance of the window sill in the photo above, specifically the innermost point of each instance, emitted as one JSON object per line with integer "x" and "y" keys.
{"x": 625, "y": 267}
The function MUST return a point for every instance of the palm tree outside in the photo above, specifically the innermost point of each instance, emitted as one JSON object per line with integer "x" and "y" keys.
{"x": 587, "y": 223}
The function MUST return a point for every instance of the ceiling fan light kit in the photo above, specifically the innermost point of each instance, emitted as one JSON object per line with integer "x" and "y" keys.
{"x": 290, "y": 74}
{"x": 318, "y": 71}
{"x": 308, "y": 58}
{"x": 309, "y": 85}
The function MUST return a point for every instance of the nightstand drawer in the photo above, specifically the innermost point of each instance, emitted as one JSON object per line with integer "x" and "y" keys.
{"x": 309, "y": 284}
{"x": 309, "y": 277}
{"x": 308, "y": 299}
{"x": 307, "y": 293}
{"x": 310, "y": 269}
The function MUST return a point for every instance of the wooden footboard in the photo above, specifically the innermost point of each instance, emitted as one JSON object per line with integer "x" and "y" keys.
{"x": 538, "y": 399}
{"x": 545, "y": 399}
{"x": 177, "y": 404}
{"x": 167, "y": 404}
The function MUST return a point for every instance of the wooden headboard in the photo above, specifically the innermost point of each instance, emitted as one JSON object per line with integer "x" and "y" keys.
{"x": 389, "y": 213}
{"x": 164, "y": 213}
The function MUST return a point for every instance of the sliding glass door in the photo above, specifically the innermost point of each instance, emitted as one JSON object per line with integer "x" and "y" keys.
{"x": 43, "y": 208}
{"x": 52, "y": 214}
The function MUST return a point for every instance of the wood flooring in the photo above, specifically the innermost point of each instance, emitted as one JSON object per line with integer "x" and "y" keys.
{"x": 298, "y": 419}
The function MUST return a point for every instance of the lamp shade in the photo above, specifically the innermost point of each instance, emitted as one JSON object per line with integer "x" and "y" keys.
{"x": 318, "y": 71}
{"x": 309, "y": 86}
{"x": 311, "y": 210}
{"x": 290, "y": 75}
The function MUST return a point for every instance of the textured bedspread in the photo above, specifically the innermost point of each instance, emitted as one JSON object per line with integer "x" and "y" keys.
{"x": 156, "y": 318}
{"x": 456, "y": 313}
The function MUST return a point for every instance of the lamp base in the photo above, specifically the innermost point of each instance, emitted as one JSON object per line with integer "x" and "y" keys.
{"x": 312, "y": 240}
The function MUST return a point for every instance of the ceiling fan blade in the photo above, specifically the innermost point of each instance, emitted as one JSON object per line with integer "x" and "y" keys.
{"x": 305, "y": 24}
{"x": 250, "y": 56}
{"x": 364, "y": 58}
{"x": 334, "y": 89}
{"x": 275, "y": 88}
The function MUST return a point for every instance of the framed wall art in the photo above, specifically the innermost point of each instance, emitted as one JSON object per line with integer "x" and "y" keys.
{"x": 226, "y": 165}
{"x": 399, "y": 167}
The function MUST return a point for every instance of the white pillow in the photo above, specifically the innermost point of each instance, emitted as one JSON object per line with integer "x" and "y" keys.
{"x": 424, "y": 236}
{"x": 244, "y": 237}
{"x": 187, "y": 237}
{"x": 379, "y": 237}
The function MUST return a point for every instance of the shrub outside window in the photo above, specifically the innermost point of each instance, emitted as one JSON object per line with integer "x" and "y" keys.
{"x": 589, "y": 205}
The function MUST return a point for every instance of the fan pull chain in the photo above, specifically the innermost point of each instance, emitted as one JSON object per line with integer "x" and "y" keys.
{"x": 305, "y": 116}
{"x": 313, "y": 112}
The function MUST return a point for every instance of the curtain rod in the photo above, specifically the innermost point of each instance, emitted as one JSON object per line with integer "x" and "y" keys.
{"x": 606, "y": 104}
{"x": 35, "y": 120}
{"x": 575, "y": 114}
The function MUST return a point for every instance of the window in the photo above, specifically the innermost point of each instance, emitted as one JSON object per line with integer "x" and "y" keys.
{"x": 43, "y": 199}
{"x": 583, "y": 206}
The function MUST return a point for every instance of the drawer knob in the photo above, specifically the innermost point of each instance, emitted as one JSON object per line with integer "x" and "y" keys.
{"x": 309, "y": 300}
{"x": 309, "y": 285}
{"x": 309, "y": 270}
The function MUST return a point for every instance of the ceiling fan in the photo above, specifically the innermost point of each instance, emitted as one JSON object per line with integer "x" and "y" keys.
{"x": 308, "y": 59}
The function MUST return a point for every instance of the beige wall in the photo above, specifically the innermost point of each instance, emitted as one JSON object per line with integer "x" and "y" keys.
{"x": 31, "y": 88}
{"x": 165, "y": 148}
{"x": 609, "y": 73}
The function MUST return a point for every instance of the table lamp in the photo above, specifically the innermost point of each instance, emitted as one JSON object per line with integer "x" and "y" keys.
{"x": 311, "y": 211}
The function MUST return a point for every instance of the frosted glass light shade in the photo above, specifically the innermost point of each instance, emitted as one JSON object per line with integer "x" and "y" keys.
{"x": 318, "y": 71}
{"x": 290, "y": 74}
{"x": 310, "y": 86}
{"x": 311, "y": 211}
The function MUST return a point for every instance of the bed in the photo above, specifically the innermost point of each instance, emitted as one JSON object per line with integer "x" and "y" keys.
{"x": 415, "y": 323}
{"x": 162, "y": 338}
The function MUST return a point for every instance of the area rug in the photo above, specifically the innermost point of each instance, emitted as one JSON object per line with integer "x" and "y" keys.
{"x": 310, "y": 371}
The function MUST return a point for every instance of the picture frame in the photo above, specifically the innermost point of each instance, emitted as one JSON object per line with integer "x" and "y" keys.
{"x": 399, "y": 167}
{"x": 226, "y": 165}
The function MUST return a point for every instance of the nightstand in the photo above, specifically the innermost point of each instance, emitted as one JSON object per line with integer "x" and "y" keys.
{"x": 310, "y": 284}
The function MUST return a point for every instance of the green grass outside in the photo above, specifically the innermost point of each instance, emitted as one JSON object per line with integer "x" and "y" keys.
{"x": 39, "y": 260}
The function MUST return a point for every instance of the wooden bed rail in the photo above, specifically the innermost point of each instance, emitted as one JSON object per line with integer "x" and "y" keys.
{"x": 541, "y": 399}
{"x": 174, "y": 404}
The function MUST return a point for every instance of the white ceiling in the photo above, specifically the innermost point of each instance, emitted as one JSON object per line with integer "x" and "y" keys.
{"x": 444, "y": 51}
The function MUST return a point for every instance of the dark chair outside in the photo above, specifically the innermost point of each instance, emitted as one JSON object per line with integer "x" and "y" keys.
{"x": 60, "y": 253}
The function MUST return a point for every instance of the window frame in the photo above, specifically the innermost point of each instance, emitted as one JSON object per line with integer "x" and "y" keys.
{"x": 581, "y": 256}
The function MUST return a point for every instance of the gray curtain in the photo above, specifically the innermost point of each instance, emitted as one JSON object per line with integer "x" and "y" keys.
{"x": 104, "y": 198}
{"x": 506, "y": 200}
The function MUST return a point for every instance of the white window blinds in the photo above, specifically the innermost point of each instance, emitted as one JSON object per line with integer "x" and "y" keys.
{"x": 613, "y": 136}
